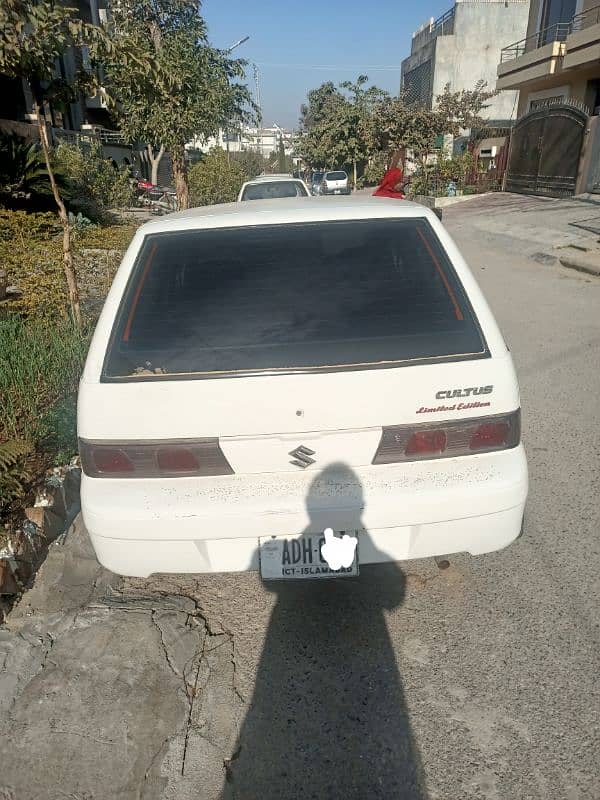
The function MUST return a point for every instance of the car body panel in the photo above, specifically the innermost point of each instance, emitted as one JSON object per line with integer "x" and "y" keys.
{"x": 416, "y": 509}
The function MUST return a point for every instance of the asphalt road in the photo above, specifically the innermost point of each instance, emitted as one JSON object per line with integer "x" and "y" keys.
{"x": 476, "y": 682}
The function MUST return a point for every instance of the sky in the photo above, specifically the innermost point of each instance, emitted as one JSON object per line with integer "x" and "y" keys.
{"x": 298, "y": 46}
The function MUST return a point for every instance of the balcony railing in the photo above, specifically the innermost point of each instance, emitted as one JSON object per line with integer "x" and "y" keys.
{"x": 553, "y": 33}
{"x": 585, "y": 19}
{"x": 442, "y": 26}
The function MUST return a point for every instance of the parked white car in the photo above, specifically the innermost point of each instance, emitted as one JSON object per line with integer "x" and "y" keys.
{"x": 271, "y": 187}
{"x": 263, "y": 372}
{"x": 335, "y": 182}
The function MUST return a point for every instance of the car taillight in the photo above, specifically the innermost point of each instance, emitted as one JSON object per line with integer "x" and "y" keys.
{"x": 490, "y": 434}
{"x": 448, "y": 439}
{"x": 112, "y": 459}
{"x": 426, "y": 442}
{"x": 163, "y": 459}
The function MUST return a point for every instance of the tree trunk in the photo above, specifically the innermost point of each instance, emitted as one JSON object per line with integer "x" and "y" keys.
{"x": 355, "y": 175}
{"x": 154, "y": 162}
{"x": 181, "y": 179}
{"x": 68, "y": 265}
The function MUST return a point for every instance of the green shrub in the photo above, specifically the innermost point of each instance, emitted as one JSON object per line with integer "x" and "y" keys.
{"x": 375, "y": 169}
{"x": 95, "y": 185}
{"x": 31, "y": 253}
{"x": 213, "y": 180}
{"x": 40, "y": 363}
{"x": 40, "y": 366}
{"x": 470, "y": 190}
{"x": 112, "y": 237}
{"x": 13, "y": 469}
{"x": 23, "y": 172}
{"x": 250, "y": 161}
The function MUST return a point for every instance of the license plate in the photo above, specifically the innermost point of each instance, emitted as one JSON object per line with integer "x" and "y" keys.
{"x": 337, "y": 191}
{"x": 298, "y": 557}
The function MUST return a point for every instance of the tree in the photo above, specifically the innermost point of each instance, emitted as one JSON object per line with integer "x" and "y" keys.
{"x": 95, "y": 184}
{"x": 355, "y": 122}
{"x": 251, "y": 162}
{"x": 313, "y": 141}
{"x": 199, "y": 91}
{"x": 32, "y": 37}
{"x": 214, "y": 179}
{"x": 463, "y": 110}
{"x": 397, "y": 122}
{"x": 281, "y": 161}
{"x": 335, "y": 128}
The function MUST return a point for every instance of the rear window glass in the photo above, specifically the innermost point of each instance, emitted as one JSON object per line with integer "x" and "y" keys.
{"x": 275, "y": 189}
{"x": 336, "y": 176}
{"x": 315, "y": 296}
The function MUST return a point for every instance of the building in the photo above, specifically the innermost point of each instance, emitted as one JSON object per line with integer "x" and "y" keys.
{"x": 462, "y": 47}
{"x": 555, "y": 146}
{"x": 559, "y": 58}
{"x": 84, "y": 121}
{"x": 261, "y": 140}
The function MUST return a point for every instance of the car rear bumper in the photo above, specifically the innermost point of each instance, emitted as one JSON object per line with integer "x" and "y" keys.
{"x": 403, "y": 511}
{"x": 347, "y": 190}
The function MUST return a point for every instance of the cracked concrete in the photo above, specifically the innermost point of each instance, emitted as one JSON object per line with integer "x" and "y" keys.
{"x": 106, "y": 685}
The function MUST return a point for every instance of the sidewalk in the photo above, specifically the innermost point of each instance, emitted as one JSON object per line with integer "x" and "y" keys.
{"x": 545, "y": 229}
{"x": 108, "y": 690}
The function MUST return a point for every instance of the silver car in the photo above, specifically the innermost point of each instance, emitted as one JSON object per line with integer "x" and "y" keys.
{"x": 335, "y": 183}
{"x": 273, "y": 187}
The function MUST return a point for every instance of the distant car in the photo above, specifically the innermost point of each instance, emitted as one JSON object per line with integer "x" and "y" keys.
{"x": 315, "y": 182}
{"x": 262, "y": 374}
{"x": 273, "y": 187}
{"x": 270, "y": 176}
{"x": 335, "y": 183}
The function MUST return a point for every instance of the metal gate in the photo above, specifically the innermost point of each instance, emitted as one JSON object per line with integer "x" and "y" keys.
{"x": 545, "y": 150}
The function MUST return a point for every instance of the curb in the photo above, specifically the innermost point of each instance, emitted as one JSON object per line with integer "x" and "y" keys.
{"x": 582, "y": 263}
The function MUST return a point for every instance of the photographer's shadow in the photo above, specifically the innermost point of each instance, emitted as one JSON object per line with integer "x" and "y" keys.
{"x": 328, "y": 717}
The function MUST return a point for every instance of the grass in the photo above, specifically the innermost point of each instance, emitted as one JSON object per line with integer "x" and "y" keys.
{"x": 40, "y": 366}
{"x": 41, "y": 353}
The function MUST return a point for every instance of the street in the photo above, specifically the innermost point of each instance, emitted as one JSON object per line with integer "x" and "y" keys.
{"x": 475, "y": 681}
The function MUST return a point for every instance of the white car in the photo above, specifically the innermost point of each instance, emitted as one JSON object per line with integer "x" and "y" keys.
{"x": 335, "y": 182}
{"x": 264, "y": 372}
{"x": 271, "y": 187}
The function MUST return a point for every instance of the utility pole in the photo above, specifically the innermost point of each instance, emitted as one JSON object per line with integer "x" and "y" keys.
{"x": 260, "y": 118}
{"x": 229, "y": 49}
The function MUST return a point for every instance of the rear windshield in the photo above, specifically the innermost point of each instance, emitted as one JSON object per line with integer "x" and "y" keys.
{"x": 318, "y": 176}
{"x": 317, "y": 296}
{"x": 275, "y": 189}
{"x": 336, "y": 176}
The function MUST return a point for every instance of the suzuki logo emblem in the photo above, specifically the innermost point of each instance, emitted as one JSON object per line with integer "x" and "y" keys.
{"x": 302, "y": 457}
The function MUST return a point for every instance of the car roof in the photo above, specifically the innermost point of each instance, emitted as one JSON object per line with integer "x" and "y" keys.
{"x": 286, "y": 211}
{"x": 279, "y": 176}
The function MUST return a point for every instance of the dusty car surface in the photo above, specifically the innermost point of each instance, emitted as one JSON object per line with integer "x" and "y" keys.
{"x": 264, "y": 371}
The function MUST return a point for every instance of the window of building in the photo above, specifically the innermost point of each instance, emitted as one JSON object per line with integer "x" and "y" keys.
{"x": 555, "y": 15}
